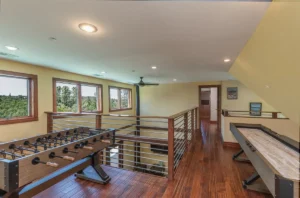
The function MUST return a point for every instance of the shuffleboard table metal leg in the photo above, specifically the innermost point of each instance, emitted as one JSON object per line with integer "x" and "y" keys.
{"x": 240, "y": 159}
{"x": 259, "y": 186}
{"x": 95, "y": 173}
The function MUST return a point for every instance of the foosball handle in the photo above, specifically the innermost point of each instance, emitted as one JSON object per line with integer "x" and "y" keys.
{"x": 52, "y": 164}
{"x": 88, "y": 148}
{"x": 68, "y": 158}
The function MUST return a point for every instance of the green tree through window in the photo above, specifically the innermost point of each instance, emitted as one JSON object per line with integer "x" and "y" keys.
{"x": 67, "y": 97}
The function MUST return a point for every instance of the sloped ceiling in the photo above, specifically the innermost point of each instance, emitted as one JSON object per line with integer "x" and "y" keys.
{"x": 270, "y": 62}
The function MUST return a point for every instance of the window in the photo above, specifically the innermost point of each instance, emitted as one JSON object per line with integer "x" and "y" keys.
{"x": 119, "y": 99}
{"x": 18, "y": 97}
{"x": 74, "y": 96}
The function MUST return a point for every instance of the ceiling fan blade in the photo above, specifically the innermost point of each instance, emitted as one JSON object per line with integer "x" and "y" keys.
{"x": 151, "y": 84}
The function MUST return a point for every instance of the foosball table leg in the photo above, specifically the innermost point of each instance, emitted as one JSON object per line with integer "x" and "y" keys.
{"x": 97, "y": 174}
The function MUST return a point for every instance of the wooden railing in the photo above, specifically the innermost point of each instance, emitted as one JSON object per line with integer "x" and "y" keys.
{"x": 150, "y": 144}
{"x": 181, "y": 129}
{"x": 251, "y": 114}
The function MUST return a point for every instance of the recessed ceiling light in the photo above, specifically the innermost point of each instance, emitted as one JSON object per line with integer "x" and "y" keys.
{"x": 267, "y": 86}
{"x": 87, "y": 27}
{"x": 103, "y": 72}
{"x": 174, "y": 79}
{"x": 12, "y": 48}
{"x": 226, "y": 60}
{"x": 153, "y": 67}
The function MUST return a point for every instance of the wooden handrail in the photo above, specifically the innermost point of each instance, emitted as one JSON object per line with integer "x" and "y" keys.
{"x": 182, "y": 112}
{"x": 249, "y": 111}
{"x": 273, "y": 114}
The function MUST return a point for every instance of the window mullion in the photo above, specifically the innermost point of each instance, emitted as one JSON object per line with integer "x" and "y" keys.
{"x": 119, "y": 96}
{"x": 79, "y": 105}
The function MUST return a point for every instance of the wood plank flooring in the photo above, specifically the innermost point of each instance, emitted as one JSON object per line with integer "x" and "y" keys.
{"x": 123, "y": 184}
{"x": 206, "y": 171}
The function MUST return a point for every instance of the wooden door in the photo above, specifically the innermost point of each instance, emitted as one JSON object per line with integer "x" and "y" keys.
{"x": 205, "y": 105}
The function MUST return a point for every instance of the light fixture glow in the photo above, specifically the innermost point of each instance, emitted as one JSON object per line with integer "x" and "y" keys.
{"x": 88, "y": 27}
{"x": 12, "y": 48}
{"x": 103, "y": 72}
{"x": 267, "y": 86}
{"x": 174, "y": 79}
{"x": 153, "y": 67}
{"x": 226, "y": 60}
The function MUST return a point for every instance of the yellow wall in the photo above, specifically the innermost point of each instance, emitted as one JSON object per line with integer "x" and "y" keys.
{"x": 169, "y": 99}
{"x": 282, "y": 126}
{"x": 245, "y": 96}
{"x": 271, "y": 57}
{"x": 45, "y": 75}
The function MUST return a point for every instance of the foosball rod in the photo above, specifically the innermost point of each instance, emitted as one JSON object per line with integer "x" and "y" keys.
{"x": 21, "y": 149}
{"x": 37, "y": 160}
{"x": 13, "y": 155}
{"x": 53, "y": 155}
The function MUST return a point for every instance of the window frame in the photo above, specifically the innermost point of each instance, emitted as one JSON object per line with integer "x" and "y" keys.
{"x": 32, "y": 101}
{"x": 79, "y": 97}
{"x": 119, "y": 95}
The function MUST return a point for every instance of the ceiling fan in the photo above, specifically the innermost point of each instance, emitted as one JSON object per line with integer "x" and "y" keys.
{"x": 142, "y": 83}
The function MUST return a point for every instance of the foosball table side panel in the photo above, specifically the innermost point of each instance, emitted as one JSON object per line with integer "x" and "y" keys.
{"x": 265, "y": 172}
{"x": 9, "y": 175}
{"x": 2, "y": 182}
{"x": 30, "y": 172}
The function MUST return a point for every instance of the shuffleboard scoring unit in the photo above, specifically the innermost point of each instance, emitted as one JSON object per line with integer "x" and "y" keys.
{"x": 31, "y": 165}
{"x": 275, "y": 158}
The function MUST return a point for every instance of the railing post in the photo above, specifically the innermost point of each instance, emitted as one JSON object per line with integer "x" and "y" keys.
{"x": 196, "y": 118}
{"x": 185, "y": 129}
{"x": 274, "y": 115}
{"x": 193, "y": 123}
{"x": 98, "y": 121}
{"x": 49, "y": 122}
{"x": 170, "y": 148}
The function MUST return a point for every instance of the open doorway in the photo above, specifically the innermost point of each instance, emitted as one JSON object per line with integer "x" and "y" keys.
{"x": 210, "y": 104}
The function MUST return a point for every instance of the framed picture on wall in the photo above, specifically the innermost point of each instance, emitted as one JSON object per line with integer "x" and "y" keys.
{"x": 255, "y": 108}
{"x": 232, "y": 93}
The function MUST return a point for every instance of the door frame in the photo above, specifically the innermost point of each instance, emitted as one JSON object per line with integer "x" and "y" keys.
{"x": 219, "y": 101}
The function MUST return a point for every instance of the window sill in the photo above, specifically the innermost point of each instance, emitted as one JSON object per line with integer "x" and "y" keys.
{"x": 115, "y": 110}
{"x": 18, "y": 120}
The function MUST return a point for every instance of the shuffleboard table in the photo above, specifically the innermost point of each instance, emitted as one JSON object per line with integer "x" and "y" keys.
{"x": 275, "y": 158}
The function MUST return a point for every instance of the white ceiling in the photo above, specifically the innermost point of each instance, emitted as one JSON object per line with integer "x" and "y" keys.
{"x": 185, "y": 40}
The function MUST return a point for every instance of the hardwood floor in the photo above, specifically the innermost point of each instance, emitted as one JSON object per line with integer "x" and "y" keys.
{"x": 123, "y": 184}
{"x": 206, "y": 171}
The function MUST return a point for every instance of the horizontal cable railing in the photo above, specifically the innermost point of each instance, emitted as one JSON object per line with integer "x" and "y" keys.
{"x": 148, "y": 144}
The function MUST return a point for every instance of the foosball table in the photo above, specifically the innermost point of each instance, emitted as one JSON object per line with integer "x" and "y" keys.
{"x": 31, "y": 165}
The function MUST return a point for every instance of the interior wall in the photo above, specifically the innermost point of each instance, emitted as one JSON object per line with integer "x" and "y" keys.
{"x": 245, "y": 96}
{"x": 269, "y": 63}
{"x": 282, "y": 126}
{"x": 213, "y": 104}
{"x": 169, "y": 99}
{"x": 45, "y": 75}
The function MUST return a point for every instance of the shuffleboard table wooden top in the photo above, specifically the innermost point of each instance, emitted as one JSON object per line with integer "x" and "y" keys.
{"x": 282, "y": 158}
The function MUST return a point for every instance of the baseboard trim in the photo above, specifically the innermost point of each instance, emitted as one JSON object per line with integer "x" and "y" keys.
{"x": 231, "y": 145}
